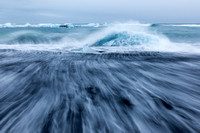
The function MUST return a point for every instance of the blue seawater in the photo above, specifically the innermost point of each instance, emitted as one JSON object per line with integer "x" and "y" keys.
{"x": 88, "y": 78}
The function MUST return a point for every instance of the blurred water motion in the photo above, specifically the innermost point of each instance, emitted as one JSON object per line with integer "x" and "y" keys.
{"x": 112, "y": 92}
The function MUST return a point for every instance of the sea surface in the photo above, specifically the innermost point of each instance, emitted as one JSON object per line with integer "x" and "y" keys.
{"x": 95, "y": 78}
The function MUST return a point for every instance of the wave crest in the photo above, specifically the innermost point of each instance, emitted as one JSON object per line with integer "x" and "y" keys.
{"x": 125, "y": 39}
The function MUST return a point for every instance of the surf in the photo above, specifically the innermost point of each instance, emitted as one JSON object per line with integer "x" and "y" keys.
{"x": 124, "y": 37}
{"x": 119, "y": 77}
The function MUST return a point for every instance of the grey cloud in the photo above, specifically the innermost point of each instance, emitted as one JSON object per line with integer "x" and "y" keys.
{"x": 153, "y": 11}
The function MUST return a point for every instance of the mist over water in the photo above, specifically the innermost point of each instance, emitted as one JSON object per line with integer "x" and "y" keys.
{"x": 89, "y": 78}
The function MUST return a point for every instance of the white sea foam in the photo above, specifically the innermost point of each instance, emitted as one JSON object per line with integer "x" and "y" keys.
{"x": 187, "y": 25}
{"x": 10, "y": 25}
{"x": 50, "y": 25}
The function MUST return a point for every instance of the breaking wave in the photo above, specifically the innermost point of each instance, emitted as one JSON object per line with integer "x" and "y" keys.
{"x": 118, "y": 37}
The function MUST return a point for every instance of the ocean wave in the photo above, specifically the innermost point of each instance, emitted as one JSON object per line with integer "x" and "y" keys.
{"x": 120, "y": 37}
{"x": 125, "y": 39}
{"x": 30, "y": 37}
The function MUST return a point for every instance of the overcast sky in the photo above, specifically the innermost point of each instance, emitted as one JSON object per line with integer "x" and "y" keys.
{"x": 80, "y": 11}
